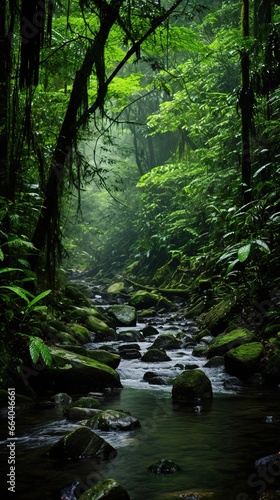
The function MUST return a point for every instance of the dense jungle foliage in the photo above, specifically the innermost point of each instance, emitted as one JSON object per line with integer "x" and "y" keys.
{"x": 141, "y": 140}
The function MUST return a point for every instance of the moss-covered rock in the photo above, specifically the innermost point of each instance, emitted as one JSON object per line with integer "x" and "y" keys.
{"x": 94, "y": 321}
{"x": 102, "y": 330}
{"x": 76, "y": 373}
{"x": 123, "y": 314}
{"x": 101, "y": 355}
{"x": 216, "y": 320}
{"x": 116, "y": 287}
{"x": 108, "y": 489}
{"x": 81, "y": 443}
{"x": 199, "y": 351}
{"x": 76, "y": 413}
{"x": 271, "y": 330}
{"x": 114, "y": 420}
{"x": 64, "y": 338}
{"x": 166, "y": 341}
{"x": 80, "y": 333}
{"x": 244, "y": 360}
{"x": 191, "y": 385}
{"x": 196, "y": 309}
{"x": 85, "y": 402}
{"x": 155, "y": 355}
{"x": 226, "y": 341}
{"x": 143, "y": 299}
{"x": 73, "y": 293}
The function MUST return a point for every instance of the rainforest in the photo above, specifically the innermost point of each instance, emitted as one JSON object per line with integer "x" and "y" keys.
{"x": 140, "y": 249}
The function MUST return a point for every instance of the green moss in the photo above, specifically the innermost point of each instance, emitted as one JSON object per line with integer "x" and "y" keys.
{"x": 108, "y": 489}
{"x": 190, "y": 385}
{"x": 80, "y": 333}
{"x": 243, "y": 361}
{"x": 64, "y": 338}
{"x": 216, "y": 319}
{"x": 116, "y": 287}
{"x": 85, "y": 403}
{"x": 226, "y": 341}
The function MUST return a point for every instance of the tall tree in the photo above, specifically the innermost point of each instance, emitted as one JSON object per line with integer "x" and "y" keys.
{"x": 246, "y": 103}
{"x": 120, "y": 12}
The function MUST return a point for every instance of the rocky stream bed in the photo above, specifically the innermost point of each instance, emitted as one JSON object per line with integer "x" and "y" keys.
{"x": 146, "y": 405}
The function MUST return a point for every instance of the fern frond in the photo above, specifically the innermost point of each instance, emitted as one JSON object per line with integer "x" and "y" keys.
{"x": 37, "y": 348}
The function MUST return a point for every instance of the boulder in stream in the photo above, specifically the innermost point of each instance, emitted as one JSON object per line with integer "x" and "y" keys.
{"x": 191, "y": 385}
{"x": 131, "y": 336}
{"x": 166, "y": 341}
{"x": 130, "y": 351}
{"x": 114, "y": 420}
{"x": 82, "y": 443}
{"x": 101, "y": 355}
{"x": 226, "y": 341}
{"x": 155, "y": 355}
{"x": 123, "y": 314}
{"x": 77, "y": 373}
{"x": 108, "y": 489}
{"x": 150, "y": 330}
{"x": 244, "y": 360}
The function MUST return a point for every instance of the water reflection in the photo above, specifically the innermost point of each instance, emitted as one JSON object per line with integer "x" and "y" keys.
{"x": 216, "y": 447}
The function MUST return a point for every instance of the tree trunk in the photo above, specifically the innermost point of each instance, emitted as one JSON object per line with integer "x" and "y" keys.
{"x": 48, "y": 222}
{"x": 49, "y": 218}
{"x": 246, "y": 101}
{"x": 4, "y": 105}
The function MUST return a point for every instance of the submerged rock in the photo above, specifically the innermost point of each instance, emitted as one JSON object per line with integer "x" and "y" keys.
{"x": 109, "y": 489}
{"x": 191, "y": 385}
{"x": 114, "y": 420}
{"x": 81, "y": 443}
{"x": 164, "y": 466}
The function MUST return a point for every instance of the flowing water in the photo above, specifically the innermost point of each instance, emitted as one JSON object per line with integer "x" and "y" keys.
{"x": 215, "y": 444}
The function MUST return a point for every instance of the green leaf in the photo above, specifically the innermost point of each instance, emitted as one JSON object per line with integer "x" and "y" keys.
{"x": 1, "y": 255}
{"x": 8, "y": 269}
{"x": 231, "y": 266}
{"x": 244, "y": 252}
{"x": 37, "y": 348}
{"x": 39, "y": 297}
{"x": 263, "y": 245}
{"x": 18, "y": 291}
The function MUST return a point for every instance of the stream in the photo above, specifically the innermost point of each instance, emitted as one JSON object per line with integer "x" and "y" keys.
{"x": 215, "y": 444}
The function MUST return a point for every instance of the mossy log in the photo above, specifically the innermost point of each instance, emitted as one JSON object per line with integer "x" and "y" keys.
{"x": 163, "y": 291}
